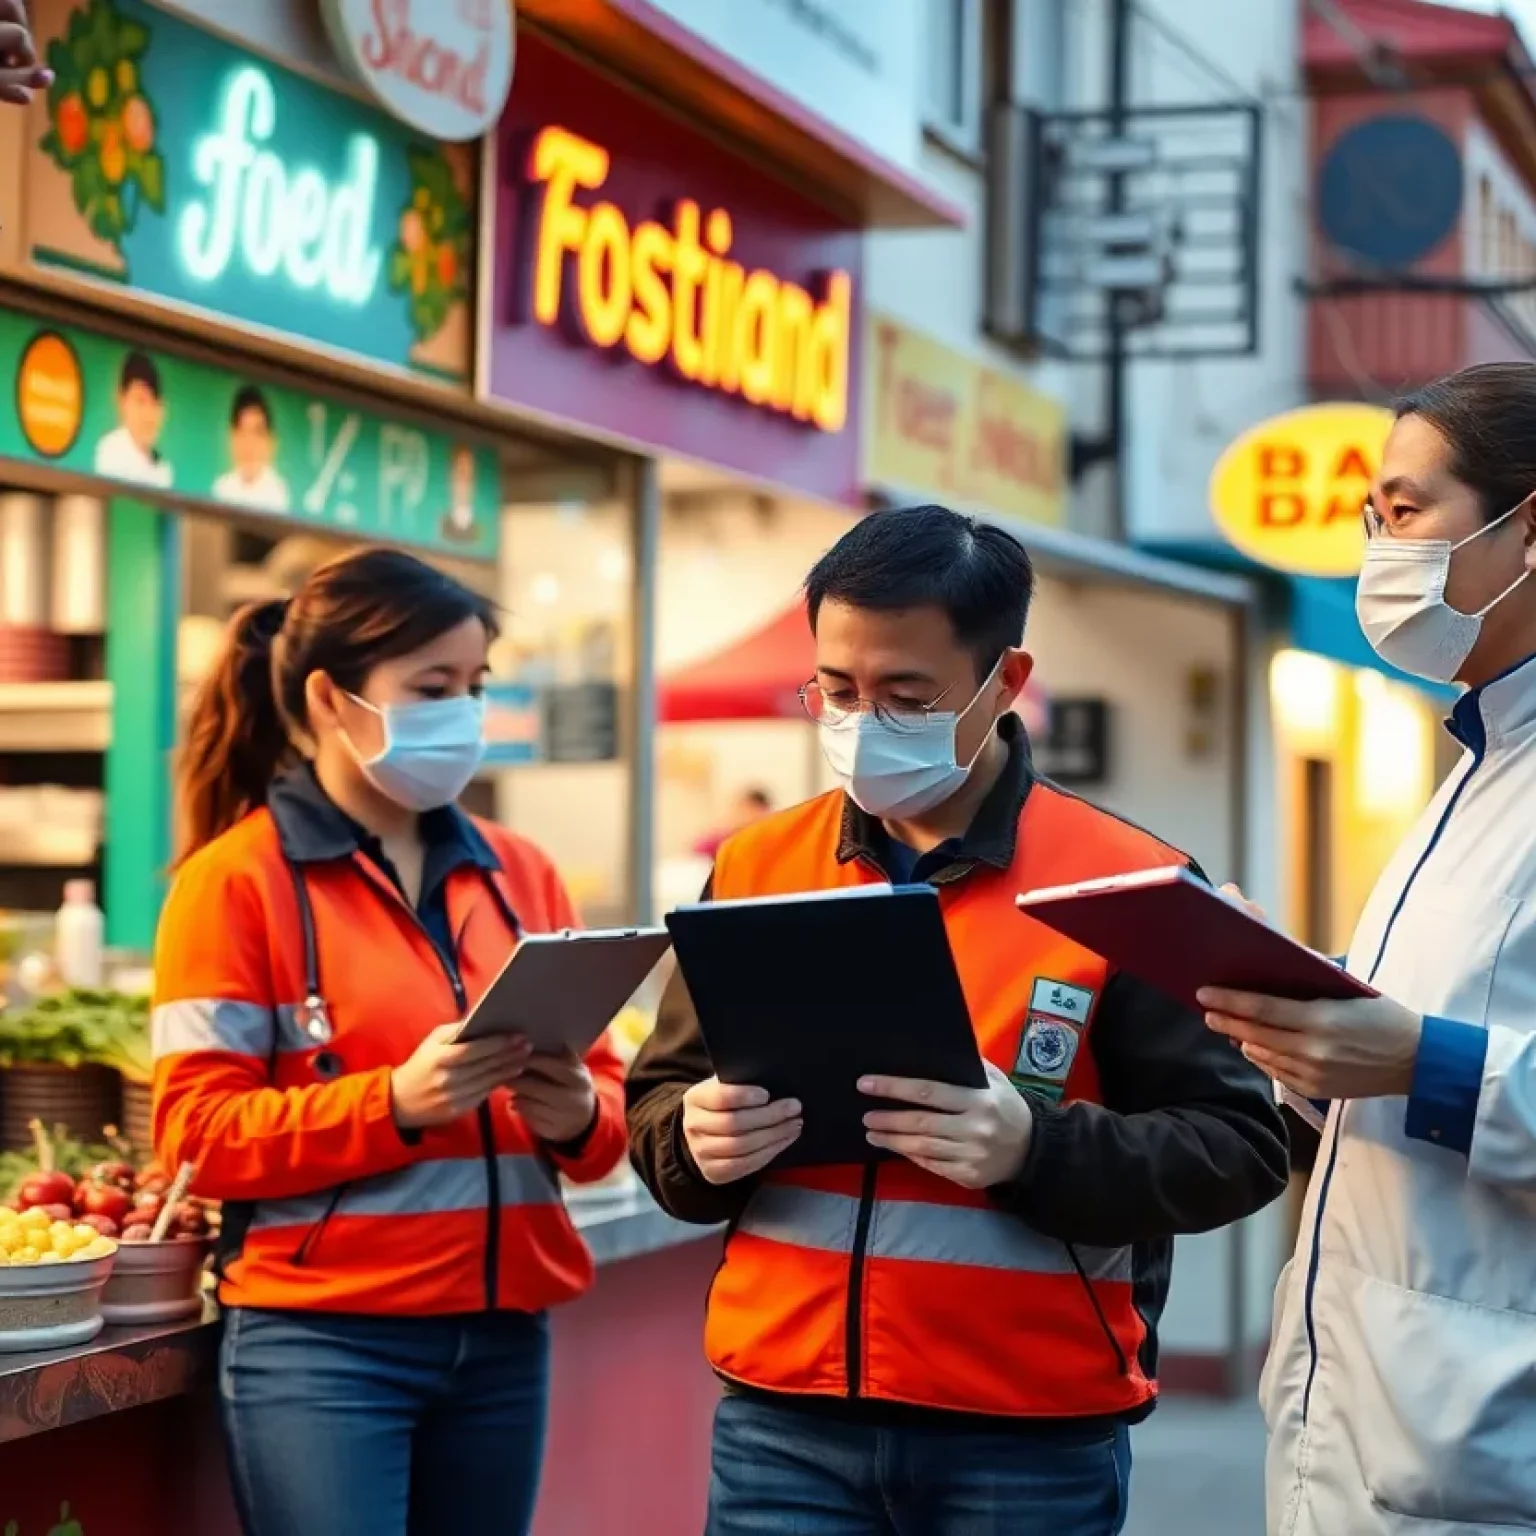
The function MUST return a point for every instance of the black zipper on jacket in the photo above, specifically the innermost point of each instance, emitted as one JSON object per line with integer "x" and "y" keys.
{"x": 305, "y": 1251}
{"x": 450, "y": 965}
{"x": 487, "y": 1146}
{"x": 1098, "y": 1311}
{"x": 854, "y": 1347}
{"x": 492, "y": 1209}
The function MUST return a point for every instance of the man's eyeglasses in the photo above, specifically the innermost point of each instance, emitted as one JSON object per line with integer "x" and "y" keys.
{"x": 837, "y": 711}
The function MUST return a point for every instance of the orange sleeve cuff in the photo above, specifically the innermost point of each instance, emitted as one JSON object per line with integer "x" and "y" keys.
{"x": 604, "y": 1145}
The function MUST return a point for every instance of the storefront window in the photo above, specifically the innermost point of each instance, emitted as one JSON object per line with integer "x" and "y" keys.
{"x": 1359, "y": 761}
{"x": 559, "y": 720}
{"x": 732, "y": 649}
{"x": 52, "y": 696}
{"x": 558, "y": 765}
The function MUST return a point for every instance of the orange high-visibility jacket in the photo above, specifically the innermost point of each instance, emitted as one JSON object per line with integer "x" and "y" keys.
{"x": 887, "y": 1282}
{"x": 340, "y": 1211}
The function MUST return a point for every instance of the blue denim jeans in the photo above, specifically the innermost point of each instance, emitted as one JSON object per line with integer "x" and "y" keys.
{"x": 369, "y": 1426}
{"x": 778, "y": 1472}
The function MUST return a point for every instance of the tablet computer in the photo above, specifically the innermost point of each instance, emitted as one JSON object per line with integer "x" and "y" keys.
{"x": 1176, "y": 933}
{"x": 565, "y": 989}
{"x": 804, "y": 995}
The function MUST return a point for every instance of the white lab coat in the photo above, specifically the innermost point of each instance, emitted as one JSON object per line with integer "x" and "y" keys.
{"x": 1401, "y": 1385}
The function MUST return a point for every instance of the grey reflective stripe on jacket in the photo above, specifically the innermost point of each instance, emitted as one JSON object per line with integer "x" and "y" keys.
{"x": 221, "y": 1024}
{"x": 422, "y": 1189}
{"x": 1401, "y": 1386}
{"x": 972, "y": 1236}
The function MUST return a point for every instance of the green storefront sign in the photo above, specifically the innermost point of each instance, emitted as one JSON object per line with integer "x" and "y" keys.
{"x": 179, "y": 165}
{"x": 155, "y": 423}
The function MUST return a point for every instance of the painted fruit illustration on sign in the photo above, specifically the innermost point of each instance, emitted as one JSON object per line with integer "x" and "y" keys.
{"x": 430, "y": 261}
{"x": 101, "y": 125}
{"x": 66, "y": 1526}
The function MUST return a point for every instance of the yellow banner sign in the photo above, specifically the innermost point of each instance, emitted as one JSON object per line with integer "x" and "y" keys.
{"x": 945, "y": 425}
{"x": 1289, "y": 492}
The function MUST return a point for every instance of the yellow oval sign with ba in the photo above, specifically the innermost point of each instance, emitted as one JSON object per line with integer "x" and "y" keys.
{"x": 1288, "y": 493}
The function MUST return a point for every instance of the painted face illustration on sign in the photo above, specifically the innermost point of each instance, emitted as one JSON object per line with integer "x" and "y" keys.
{"x": 130, "y": 451}
{"x": 253, "y": 481}
{"x": 460, "y": 520}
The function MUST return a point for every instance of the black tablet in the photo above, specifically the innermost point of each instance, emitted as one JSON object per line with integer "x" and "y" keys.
{"x": 804, "y": 995}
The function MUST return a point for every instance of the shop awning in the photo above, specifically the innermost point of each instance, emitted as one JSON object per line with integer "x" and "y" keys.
{"x": 759, "y": 677}
{"x": 737, "y": 101}
{"x": 755, "y": 678}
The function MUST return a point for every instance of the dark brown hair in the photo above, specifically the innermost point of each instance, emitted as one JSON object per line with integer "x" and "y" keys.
{"x": 1487, "y": 416}
{"x": 363, "y": 608}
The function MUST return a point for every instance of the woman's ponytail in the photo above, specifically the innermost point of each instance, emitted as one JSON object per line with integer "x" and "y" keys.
{"x": 236, "y": 740}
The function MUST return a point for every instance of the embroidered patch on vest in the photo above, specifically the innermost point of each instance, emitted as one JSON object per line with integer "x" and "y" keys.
{"x": 1046, "y": 1054}
{"x": 1061, "y": 1001}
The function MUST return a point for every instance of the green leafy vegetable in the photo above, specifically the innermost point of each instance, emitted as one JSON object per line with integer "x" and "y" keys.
{"x": 78, "y": 1028}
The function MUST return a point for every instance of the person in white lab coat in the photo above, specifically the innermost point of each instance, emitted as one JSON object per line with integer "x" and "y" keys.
{"x": 253, "y": 482}
{"x": 130, "y": 451}
{"x": 1401, "y": 1384}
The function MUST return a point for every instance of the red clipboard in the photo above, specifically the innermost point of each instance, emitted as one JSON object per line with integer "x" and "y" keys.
{"x": 1176, "y": 933}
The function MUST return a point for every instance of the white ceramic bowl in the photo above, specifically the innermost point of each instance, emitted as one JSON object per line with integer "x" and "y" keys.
{"x": 156, "y": 1282}
{"x": 51, "y": 1306}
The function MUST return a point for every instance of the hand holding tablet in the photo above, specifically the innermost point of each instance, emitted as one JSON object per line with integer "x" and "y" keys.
{"x": 560, "y": 991}
{"x": 1176, "y": 933}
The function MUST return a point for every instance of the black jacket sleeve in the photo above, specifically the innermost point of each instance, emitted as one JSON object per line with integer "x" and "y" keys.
{"x": 1305, "y": 1142}
{"x": 1188, "y": 1137}
{"x": 669, "y": 1064}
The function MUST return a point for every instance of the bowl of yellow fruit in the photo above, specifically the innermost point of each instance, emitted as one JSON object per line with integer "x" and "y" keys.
{"x": 52, "y": 1274}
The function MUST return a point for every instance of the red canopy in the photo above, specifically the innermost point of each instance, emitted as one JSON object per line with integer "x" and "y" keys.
{"x": 759, "y": 678}
{"x": 756, "y": 678}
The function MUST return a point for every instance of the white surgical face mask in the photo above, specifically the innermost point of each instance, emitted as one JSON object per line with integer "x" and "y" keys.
{"x": 431, "y": 750}
{"x": 896, "y": 772}
{"x": 1400, "y": 601}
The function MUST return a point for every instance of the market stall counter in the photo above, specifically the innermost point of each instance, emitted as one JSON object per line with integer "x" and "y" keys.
{"x": 120, "y": 1437}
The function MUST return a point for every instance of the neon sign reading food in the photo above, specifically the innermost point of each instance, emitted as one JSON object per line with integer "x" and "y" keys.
{"x": 274, "y": 218}
{"x": 669, "y": 295}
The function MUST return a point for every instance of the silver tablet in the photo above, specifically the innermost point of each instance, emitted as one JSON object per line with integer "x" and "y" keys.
{"x": 564, "y": 989}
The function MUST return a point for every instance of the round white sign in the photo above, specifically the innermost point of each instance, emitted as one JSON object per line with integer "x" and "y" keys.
{"x": 443, "y": 66}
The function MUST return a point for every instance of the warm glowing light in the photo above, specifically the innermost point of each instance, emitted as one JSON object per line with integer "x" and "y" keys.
{"x": 1394, "y": 765}
{"x": 1304, "y": 690}
{"x": 669, "y": 294}
{"x": 274, "y": 218}
{"x": 545, "y": 590}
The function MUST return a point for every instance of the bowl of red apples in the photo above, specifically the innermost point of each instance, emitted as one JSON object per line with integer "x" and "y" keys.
{"x": 164, "y": 1238}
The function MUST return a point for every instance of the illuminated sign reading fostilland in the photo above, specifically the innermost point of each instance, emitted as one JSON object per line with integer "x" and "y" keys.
{"x": 669, "y": 295}
{"x": 173, "y": 162}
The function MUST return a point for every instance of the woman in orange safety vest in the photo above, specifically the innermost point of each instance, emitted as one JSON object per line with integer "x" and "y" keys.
{"x": 394, "y": 1231}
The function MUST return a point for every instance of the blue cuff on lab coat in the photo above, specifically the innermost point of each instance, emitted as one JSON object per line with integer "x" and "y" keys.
{"x": 1447, "y": 1080}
